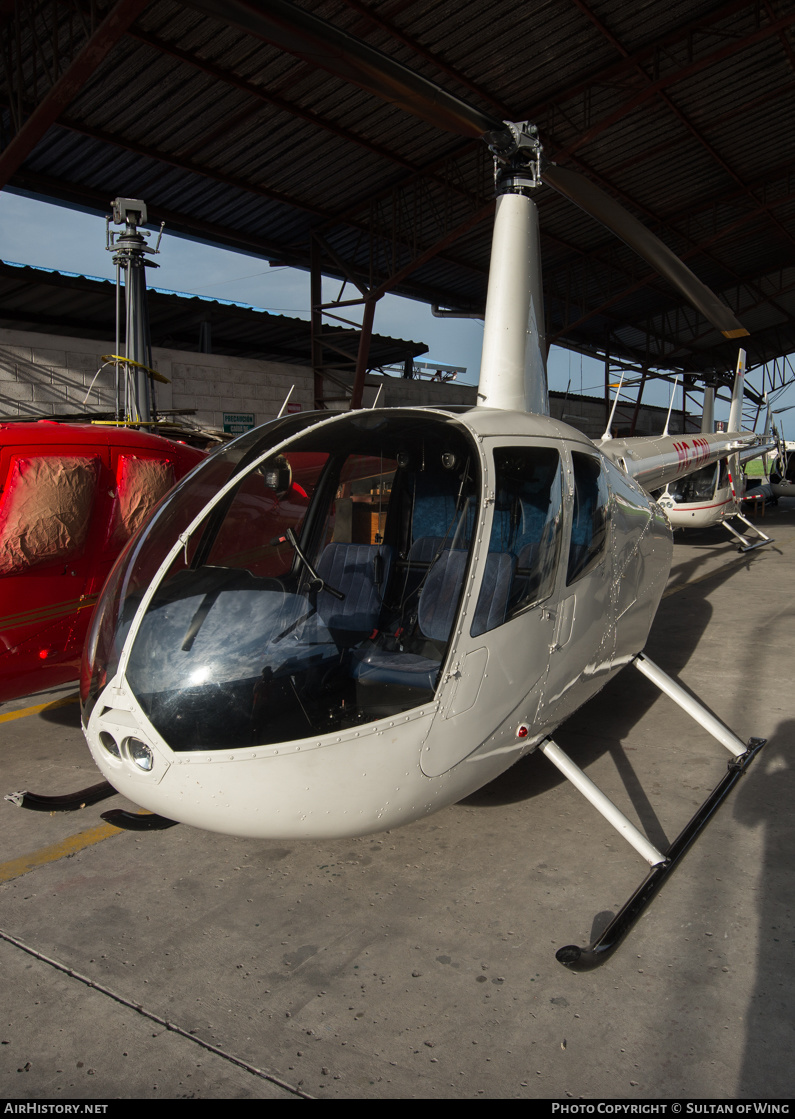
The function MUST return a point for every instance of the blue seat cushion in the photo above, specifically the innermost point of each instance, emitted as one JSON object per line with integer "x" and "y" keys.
{"x": 360, "y": 572}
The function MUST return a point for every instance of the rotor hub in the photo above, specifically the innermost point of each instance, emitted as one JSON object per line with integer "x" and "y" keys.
{"x": 517, "y": 154}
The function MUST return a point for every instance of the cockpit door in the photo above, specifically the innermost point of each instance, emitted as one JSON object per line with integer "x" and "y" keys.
{"x": 494, "y": 678}
{"x": 582, "y": 651}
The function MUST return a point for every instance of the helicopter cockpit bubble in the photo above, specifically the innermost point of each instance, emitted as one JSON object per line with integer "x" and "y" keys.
{"x": 347, "y": 658}
{"x": 701, "y": 487}
{"x": 138, "y": 563}
{"x": 255, "y": 627}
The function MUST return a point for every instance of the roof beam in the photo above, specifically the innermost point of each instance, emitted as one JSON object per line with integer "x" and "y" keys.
{"x": 653, "y": 88}
{"x": 194, "y": 168}
{"x": 682, "y": 117}
{"x": 69, "y": 84}
{"x": 265, "y": 97}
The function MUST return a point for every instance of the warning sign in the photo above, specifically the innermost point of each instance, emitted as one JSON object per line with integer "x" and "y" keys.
{"x": 235, "y": 423}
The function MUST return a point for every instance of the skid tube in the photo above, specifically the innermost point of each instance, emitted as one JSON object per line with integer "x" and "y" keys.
{"x": 69, "y": 802}
{"x": 745, "y": 544}
{"x": 137, "y": 821}
{"x": 662, "y": 863}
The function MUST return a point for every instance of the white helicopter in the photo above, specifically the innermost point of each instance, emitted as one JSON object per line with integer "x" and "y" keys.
{"x": 713, "y": 494}
{"x": 451, "y": 585}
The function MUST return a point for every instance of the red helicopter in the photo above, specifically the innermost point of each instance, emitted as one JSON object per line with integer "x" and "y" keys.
{"x": 71, "y": 496}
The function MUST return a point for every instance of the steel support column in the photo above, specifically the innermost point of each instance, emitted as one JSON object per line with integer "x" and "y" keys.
{"x": 316, "y": 321}
{"x": 364, "y": 353}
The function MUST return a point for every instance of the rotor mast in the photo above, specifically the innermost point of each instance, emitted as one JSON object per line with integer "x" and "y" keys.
{"x": 513, "y": 372}
{"x": 130, "y": 250}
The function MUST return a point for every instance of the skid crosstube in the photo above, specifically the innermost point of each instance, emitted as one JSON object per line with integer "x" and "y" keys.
{"x": 585, "y": 959}
{"x": 747, "y": 544}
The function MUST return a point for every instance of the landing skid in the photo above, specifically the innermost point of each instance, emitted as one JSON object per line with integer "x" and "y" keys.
{"x": 137, "y": 821}
{"x": 72, "y": 802}
{"x": 662, "y": 863}
{"x": 747, "y": 545}
{"x": 69, "y": 802}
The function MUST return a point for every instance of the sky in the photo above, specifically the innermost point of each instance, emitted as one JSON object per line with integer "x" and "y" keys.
{"x": 36, "y": 232}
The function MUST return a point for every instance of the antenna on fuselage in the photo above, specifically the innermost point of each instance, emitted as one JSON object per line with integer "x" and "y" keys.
{"x": 613, "y": 409}
{"x": 286, "y": 402}
{"x": 670, "y": 405}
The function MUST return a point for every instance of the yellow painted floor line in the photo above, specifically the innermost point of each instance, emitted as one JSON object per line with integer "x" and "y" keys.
{"x": 25, "y": 711}
{"x": 15, "y": 868}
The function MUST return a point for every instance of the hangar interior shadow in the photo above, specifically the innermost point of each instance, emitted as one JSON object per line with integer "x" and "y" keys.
{"x": 62, "y": 715}
{"x": 605, "y": 725}
{"x": 766, "y": 803}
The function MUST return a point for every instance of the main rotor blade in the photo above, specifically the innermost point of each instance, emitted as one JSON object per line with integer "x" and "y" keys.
{"x": 299, "y": 32}
{"x": 613, "y": 216}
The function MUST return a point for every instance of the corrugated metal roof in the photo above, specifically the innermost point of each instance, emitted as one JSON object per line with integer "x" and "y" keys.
{"x": 84, "y": 306}
{"x": 681, "y": 110}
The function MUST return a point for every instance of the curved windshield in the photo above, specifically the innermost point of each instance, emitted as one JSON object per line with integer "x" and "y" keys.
{"x": 319, "y": 592}
{"x": 140, "y": 560}
{"x": 698, "y": 486}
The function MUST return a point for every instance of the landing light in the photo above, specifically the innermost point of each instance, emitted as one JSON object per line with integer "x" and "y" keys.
{"x": 140, "y": 753}
{"x": 110, "y": 743}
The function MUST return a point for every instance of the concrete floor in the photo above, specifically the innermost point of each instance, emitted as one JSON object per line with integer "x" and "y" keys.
{"x": 420, "y": 963}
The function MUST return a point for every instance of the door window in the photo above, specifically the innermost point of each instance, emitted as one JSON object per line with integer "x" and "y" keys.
{"x": 589, "y": 524}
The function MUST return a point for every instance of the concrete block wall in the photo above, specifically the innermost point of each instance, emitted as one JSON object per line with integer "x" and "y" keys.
{"x": 43, "y": 374}
{"x": 399, "y": 393}
{"x": 51, "y": 374}
{"x": 214, "y": 384}
{"x": 48, "y": 374}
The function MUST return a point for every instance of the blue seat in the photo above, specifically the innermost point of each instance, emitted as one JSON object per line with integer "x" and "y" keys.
{"x": 437, "y": 610}
{"x": 495, "y": 592}
{"x": 425, "y": 548}
{"x": 360, "y": 572}
{"x": 440, "y": 594}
